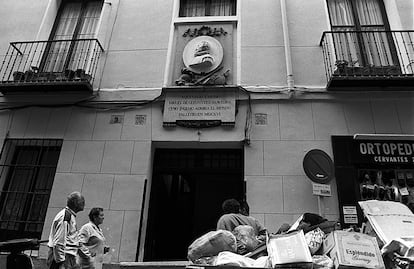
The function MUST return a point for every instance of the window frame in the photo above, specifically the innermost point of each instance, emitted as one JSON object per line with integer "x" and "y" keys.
{"x": 358, "y": 27}
{"x": 207, "y": 9}
{"x": 357, "y": 23}
{"x": 75, "y": 32}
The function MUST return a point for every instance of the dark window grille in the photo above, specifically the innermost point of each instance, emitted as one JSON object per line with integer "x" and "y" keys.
{"x": 200, "y": 8}
{"x": 27, "y": 170}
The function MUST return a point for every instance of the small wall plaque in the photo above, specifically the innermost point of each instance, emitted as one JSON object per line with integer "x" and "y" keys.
{"x": 116, "y": 119}
{"x": 260, "y": 119}
{"x": 140, "y": 119}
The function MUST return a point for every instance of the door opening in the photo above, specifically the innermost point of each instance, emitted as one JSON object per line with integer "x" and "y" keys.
{"x": 187, "y": 190}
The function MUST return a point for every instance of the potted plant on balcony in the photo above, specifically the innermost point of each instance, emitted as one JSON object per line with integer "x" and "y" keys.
{"x": 353, "y": 68}
{"x": 18, "y": 76}
{"x": 80, "y": 74}
{"x": 344, "y": 68}
{"x": 69, "y": 74}
{"x": 341, "y": 66}
{"x": 31, "y": 74}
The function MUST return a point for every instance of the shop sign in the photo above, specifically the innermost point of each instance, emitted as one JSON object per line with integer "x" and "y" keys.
{"x": 321, "y": 189}
{"x": 374, "y": 151}
{"x": 351, "y": 219}
{"x": 199, "y": 106}
{"x": 349, "y": 210}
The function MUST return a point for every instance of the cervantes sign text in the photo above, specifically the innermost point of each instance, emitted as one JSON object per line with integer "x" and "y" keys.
{"x": 200, "y": 106}
{"x": 384, "y": 151}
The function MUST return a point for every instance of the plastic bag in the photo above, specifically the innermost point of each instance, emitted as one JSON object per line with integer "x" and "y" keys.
{"x": 314, "y": 239}
{"x": 245, "y": 238}
{"x": 230, "y": 258}
{"x": 210, "y": 260}
{"x": 262, "y": 262}
{"x": 322, "y": 262}
{"x": 211, "y": 244}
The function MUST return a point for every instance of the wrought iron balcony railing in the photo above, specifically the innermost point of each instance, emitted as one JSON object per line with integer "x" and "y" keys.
{"x": 56, "y": 65}
{"x": 368, "y": 59}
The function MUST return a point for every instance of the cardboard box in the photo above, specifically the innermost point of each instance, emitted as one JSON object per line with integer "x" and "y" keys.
{"x": 387, "y": 220}
{"x": 289, "y": 250}
{"x": 350, "y": 250}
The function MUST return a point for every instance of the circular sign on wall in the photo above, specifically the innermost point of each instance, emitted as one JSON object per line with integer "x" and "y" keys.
{"x": 203, "y": 54}
{"x": 318, "y": 166}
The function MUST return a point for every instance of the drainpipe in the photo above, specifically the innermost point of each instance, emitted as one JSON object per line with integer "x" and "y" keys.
{"x": 288, "y": 57}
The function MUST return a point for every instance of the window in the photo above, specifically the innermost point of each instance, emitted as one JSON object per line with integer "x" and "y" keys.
{"x": 27, "y": 171}
{"x": 361, "y": 33}
{"x": 198, "y": 8}
{"x": 76, "y": 20}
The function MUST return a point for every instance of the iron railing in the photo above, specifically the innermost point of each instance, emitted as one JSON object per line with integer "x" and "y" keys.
{"x": 368, "y": 54}
{"x": 53, "y": 61}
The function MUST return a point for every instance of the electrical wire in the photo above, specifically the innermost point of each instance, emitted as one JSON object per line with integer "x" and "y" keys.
{"x": 90, "y": 103}
{"x": 116, "y": 105}
{"x": 283, "y": 89}
{"x": 122, "y": 105}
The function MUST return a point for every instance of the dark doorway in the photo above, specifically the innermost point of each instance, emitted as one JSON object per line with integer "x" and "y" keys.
{"x": 187, "y": 190}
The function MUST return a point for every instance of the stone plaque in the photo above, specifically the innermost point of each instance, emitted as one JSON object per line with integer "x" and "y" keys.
{"x": 260, "y": 119}
{"x": 200, "y": 106}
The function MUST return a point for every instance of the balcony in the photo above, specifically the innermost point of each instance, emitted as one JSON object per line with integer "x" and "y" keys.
{"x": 368, "y": 60}
{"x": 50, "y": 66}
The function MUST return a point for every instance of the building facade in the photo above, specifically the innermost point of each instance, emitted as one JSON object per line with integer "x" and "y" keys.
{"x": 158, "y": 111}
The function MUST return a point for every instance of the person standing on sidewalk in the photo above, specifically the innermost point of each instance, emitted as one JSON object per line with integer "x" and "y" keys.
{"x": 64, "y": 244}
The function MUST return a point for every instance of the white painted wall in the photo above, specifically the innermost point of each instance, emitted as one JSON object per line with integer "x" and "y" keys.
{"x": 20, "y": 21}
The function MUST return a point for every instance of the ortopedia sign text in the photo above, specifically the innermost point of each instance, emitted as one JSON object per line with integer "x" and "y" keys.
{"x": 387, "y": 152}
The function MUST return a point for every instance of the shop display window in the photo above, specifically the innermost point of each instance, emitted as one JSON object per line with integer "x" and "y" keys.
{"x": 387, "y": 185}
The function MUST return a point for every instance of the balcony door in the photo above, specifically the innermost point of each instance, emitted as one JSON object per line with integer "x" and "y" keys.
{"x": 361, "y": 33}
{"x": 76, "y": 21}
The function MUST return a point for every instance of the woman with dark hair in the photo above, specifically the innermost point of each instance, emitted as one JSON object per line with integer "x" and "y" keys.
{"x": 92, "y": 237}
